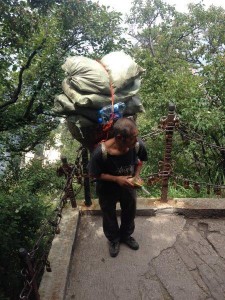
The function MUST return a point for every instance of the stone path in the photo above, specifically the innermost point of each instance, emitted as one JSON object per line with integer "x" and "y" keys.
{"x": 179, "y": 259}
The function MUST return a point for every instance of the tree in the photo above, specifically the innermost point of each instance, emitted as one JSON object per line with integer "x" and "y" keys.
{"x": 36, "y": 37}
{"x": 183, "y": 55}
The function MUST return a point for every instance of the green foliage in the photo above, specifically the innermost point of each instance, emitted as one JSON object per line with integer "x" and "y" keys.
{"x": 35, "y": 178}
{"x": 24, "y": 204}
{"x": 36, "y": 37}
{"x": 183, "y": 55}
{"x": 69, "y": 146}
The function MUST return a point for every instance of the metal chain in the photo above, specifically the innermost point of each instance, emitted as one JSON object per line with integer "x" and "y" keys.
{"x": 197, "y": 138}
{"x": 188, "y": 181}
{"x": 152, "y": 134}
{"x": 42, "y": 262}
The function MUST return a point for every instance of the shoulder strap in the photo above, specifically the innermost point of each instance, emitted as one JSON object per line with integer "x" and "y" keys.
{"x": 104, "y": 151}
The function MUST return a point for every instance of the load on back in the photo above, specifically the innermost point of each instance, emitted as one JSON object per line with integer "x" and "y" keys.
{"x": 89, "y": 90}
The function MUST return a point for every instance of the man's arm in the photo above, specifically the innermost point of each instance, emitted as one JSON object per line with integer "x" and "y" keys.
{"x": 137, "y": 179}
{"x": 142, "y": 156}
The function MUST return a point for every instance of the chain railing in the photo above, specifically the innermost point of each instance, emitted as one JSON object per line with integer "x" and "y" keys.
{"x": 196, "y": 185}
{"x": 193, "y": 136}
{"x": 169, "y": 125}
{"x": 36, "y": 260}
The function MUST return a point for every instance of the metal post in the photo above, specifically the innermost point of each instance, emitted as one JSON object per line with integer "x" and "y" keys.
{"x": 31, "y": 274}
{"x": 87, "y": 193}
{"x": 166, "y": 165}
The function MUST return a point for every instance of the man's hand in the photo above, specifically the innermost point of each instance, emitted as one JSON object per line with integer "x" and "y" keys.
{"x": 124, "y": 181}
{"x": 137, "y": 181}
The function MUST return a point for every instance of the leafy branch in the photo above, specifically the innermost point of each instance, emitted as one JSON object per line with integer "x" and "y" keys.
{"x": 15, "y": 95}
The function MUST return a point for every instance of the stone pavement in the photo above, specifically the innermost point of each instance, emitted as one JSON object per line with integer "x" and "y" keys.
{"x": 179, "y": 257}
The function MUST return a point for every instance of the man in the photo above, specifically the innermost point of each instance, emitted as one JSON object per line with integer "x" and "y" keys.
{"x": 66, "y": 170}
{"x": 116, "y": 164}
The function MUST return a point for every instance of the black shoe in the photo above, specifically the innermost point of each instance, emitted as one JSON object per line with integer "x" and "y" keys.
{"x": 130, "y": 242}
{"x": 114, "y": 248}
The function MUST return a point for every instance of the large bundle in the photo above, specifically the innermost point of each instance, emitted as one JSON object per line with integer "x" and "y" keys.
{"x": 89, "y": 86}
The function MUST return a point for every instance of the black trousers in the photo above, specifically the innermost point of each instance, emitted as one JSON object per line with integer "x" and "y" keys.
{"x": 127, "y": 199}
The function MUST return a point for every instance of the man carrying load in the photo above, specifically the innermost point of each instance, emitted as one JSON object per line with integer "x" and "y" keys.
{"x": 116, "y": 165}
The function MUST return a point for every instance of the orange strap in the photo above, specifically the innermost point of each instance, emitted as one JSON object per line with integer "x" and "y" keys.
{"x": 106, "y": 127}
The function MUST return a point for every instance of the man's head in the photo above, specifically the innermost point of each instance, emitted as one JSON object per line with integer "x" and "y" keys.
{"x": 125, "y": 132}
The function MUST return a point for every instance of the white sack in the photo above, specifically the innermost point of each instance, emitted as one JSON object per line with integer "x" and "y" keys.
{"x": 122, "y": 69}
{"x": 84, "y": 131}
{"x": 98, "y": 101}
{"x": 134, "y": 106}
{"x": 63, "y": 105}
{"x": 87, "y": 75}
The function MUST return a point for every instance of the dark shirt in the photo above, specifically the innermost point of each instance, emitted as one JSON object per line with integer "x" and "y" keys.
{"x": 117, "y": 165}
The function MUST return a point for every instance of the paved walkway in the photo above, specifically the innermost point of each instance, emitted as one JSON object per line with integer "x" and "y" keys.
{"x": 179, "y": 258}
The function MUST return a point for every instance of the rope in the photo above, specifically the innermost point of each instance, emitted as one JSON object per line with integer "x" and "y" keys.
{"x": 112, "y": 93}
{"x": 108, "y": 125}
